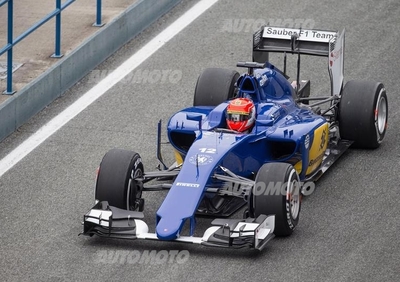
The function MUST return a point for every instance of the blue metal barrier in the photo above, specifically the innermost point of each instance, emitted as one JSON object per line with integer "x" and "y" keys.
{"x": 12, "y": 42}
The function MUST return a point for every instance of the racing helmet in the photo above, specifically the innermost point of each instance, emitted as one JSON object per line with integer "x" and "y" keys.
{"x": 240, "y": 114}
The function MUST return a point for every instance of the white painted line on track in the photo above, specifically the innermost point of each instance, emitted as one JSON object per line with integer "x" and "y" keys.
{"x": 103, "y": 86}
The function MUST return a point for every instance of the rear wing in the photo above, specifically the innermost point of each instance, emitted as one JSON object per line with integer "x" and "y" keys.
{"x": 294, "y": 41}
{"x": 312, "y": 42}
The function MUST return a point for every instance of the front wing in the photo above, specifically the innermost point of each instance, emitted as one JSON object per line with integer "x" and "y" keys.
{"x": 108, "y": 221}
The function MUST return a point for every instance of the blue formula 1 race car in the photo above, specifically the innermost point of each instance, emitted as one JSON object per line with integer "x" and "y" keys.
{"x": 250, "y": 142}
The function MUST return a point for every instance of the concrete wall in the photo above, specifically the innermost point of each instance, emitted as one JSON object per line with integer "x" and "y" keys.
{"x": 55, "y": 81}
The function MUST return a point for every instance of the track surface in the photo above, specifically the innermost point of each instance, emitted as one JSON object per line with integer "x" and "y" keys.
{"x": 349, "y": 226}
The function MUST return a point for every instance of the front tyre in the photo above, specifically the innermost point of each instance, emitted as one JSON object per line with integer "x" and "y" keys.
{"x": 363, "y": 113}
{"x": 277, "y": 192}
{"x": 117, "y": 179}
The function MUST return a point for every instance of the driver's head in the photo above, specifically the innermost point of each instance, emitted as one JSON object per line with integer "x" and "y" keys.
{"x": 240, "y": 114}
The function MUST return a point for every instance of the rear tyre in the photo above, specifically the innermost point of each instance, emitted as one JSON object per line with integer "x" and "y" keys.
{"x": 116, "y": 179}
{"x": 284, "y": 203}
{"x": 363, "y": 113}
{"x": 214, "y": 86}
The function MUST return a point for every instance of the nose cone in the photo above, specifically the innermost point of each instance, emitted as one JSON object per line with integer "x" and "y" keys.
{"x": 168, "y": 229}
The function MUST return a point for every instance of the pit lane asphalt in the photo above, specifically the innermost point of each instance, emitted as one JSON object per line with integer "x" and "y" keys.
{"x": 349, "y": 226}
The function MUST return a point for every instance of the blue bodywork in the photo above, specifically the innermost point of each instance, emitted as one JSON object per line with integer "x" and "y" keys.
{"x": 278, "y": 136}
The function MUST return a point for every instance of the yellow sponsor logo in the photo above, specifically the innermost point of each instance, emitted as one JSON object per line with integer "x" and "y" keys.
{"x": 178, "y": 157}
{"x": 318, "y": 147}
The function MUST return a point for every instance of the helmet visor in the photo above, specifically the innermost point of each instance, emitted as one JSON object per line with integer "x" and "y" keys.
{"x": 237, "y": 117}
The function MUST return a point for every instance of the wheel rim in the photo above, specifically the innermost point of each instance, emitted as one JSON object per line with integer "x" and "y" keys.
{"x": 293, "y": 195}
{"x": 134, "y": 174}
{"x": 381, "y": 114}
{"x": 138, "y": 173}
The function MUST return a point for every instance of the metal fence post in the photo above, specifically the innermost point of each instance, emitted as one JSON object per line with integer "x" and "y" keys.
{"x": 98, "y": 15}
{"x": 11, "y": 41}
{"x": 10, "y": 23}
{"x": 57, "y": 53}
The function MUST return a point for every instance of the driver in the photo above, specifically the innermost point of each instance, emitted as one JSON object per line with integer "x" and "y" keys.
{"x": 240, "y": 115}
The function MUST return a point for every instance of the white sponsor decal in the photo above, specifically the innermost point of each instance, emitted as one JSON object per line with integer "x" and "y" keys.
{"x": 208, "y": 150}
{"x": 307, "y": 141}
{"x": 305, "y": 35}
{"x": 263, "y": 80}
{"x": 201, "y": 159}
{"x": 184, "y": 184}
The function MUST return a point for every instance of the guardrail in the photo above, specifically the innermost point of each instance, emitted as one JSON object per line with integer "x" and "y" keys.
{"x": 50, "y": 85}
{"x": 11, "y": 42}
